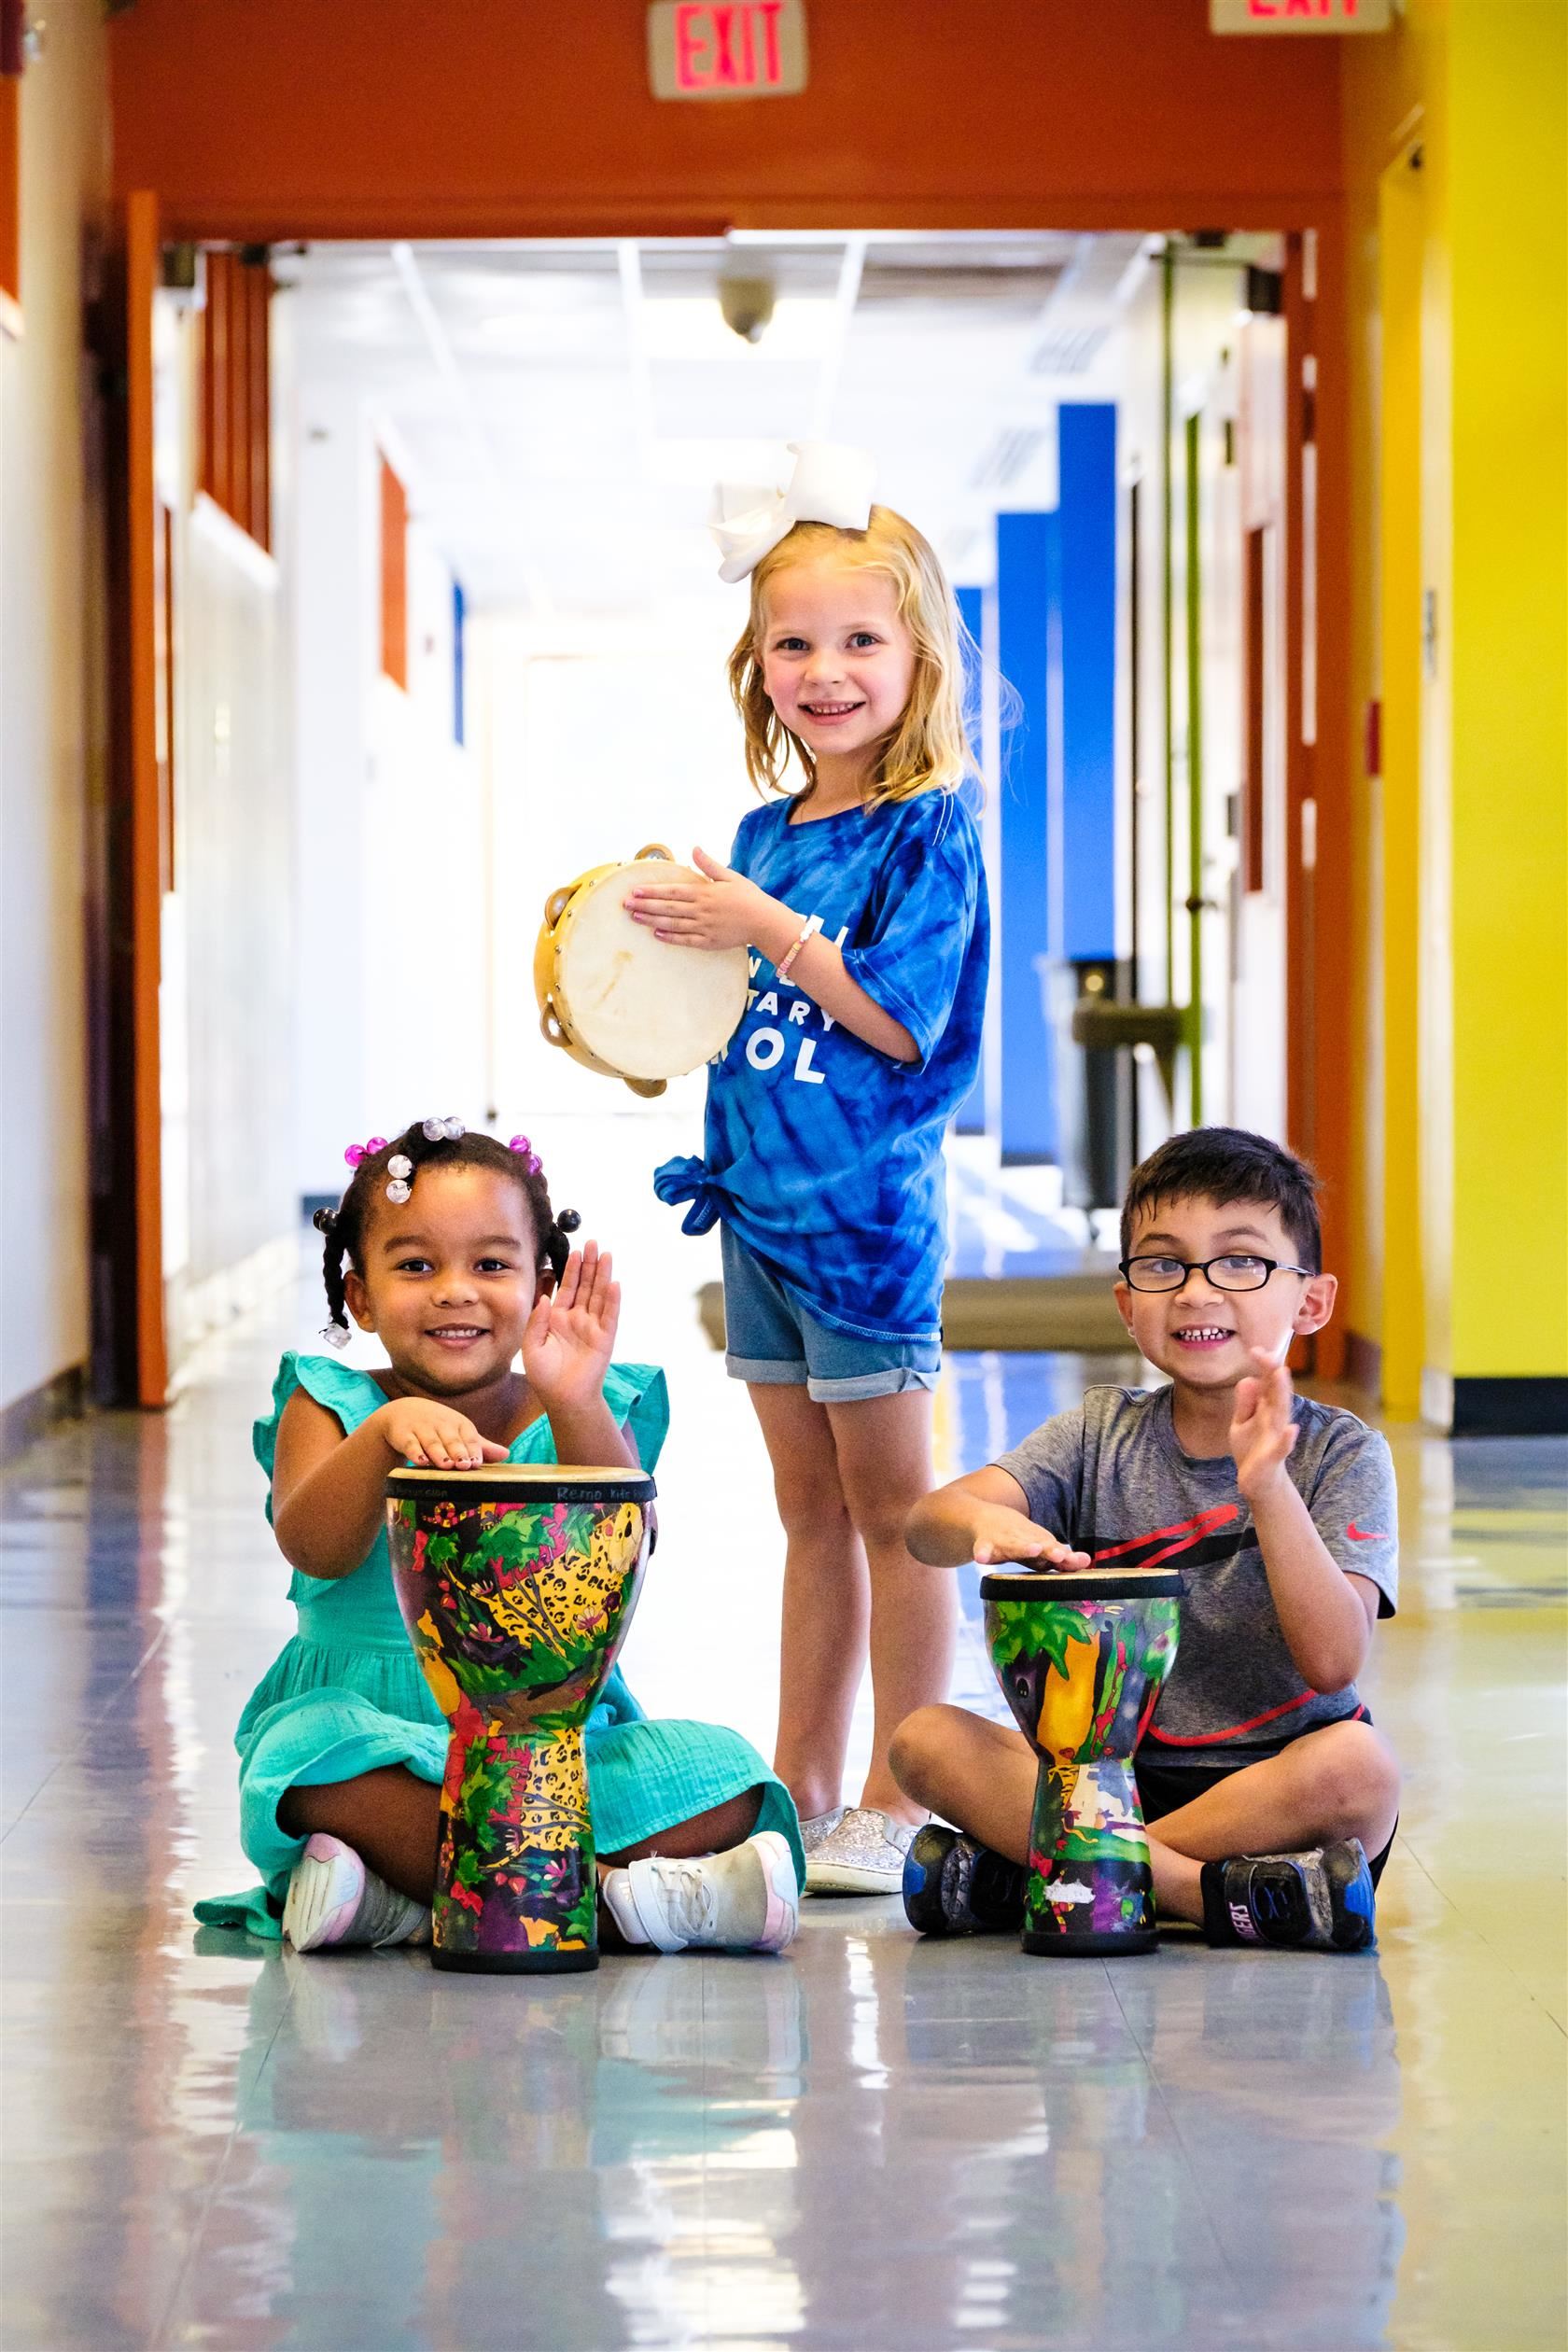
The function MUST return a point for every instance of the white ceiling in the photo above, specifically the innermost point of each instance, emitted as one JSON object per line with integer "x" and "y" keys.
{"x": 563, "y": 409}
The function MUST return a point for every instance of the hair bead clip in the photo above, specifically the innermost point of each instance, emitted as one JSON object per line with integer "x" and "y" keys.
{"x": 567, "y": 1222}
{"x": 336, "y": 1334}
{"x": 399, "y": 1168}
{"x": 358, "y": 1151}
{"x": 444, "y": 1131}
{"x": 323, "y": 1220}
{"x": 526, "y": 1153}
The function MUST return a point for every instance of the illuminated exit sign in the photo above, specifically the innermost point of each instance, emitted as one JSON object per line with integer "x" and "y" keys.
{"x": 727, "y": 48}
{"x": 1300, "y": 16}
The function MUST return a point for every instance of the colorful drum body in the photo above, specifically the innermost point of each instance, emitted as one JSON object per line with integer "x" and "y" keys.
{"x": 517, "y": 1584}
{"x": 619, "y": 1000}
{"x": 1082, "y": 1659}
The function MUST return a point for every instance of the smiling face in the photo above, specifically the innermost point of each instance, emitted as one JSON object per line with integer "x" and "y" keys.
{"x": 1200, "y": 1334}
{"x": 450, "y": 1279}
{"x": 837, "y": 661}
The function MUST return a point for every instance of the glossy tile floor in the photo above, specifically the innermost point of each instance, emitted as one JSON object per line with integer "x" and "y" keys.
{"x": 873, "y": 2144}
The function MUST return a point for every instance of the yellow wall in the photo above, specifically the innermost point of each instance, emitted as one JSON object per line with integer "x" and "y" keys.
{"x": 1508, "y": 239}
{"x": 1459, "y": 329}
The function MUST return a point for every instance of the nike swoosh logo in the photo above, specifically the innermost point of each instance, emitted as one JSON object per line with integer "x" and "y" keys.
{"x": 1366, "y": 1534}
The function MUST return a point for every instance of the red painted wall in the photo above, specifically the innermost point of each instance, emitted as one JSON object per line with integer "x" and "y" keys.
{"x": 468, "y": 116}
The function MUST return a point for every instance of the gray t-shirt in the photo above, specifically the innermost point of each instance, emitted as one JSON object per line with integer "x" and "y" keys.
{"x": 1111, "y": 1479}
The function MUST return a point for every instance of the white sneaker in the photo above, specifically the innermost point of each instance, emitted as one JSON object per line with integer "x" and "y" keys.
{"x": 333, "y": 1898}
{"x": 744, "y": 1901}
{"x": 863, "y": 1856}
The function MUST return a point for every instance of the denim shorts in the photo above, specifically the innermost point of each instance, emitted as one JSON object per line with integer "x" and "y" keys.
{"x": 769, "y": 1339}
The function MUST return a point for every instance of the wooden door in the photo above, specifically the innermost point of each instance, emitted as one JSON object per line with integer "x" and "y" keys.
{"x": 128, "y": 1176}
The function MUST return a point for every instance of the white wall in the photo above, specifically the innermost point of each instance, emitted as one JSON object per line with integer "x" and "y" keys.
{"x": 594, "y": 751}
{"x": 335, "y": 641}
{"x": 391, "y": 905}
{"x": 52, "y": 724}
{"x": 226, "y": 991}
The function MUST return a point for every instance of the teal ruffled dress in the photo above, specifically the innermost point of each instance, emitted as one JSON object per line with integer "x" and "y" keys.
{"x": 346, "y": 1695}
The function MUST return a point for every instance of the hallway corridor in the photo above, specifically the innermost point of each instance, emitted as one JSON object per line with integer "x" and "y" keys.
{"x": 874, "y": 2143}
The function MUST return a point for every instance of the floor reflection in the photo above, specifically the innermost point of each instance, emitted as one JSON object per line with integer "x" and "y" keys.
{"x": 882, "y": 2143}
{"x": 873, "y": 2144}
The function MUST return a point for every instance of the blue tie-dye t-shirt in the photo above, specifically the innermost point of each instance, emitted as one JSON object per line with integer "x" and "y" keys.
{"x": 823, "y": 1155}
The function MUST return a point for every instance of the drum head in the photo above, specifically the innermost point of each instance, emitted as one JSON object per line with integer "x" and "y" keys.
{"x": 510, "y": 1483}
{"x": 1082, "y": 1584}
{"x": 647, "y": 1007}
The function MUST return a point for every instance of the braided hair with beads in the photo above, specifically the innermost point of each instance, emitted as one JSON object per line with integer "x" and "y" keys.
{"x": 429, "y": 1143}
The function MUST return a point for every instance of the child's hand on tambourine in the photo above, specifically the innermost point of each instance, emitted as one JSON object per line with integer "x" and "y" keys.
{"x": 432, "y": 1436}
{"x": 570, "y": 1336}
{"x": 724, "y": 910}
{"x": 1001, "y": 1535}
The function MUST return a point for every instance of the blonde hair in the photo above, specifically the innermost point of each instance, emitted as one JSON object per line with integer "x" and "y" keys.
{"x": 928, "y": 751}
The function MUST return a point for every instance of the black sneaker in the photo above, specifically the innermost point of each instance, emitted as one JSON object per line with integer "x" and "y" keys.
{"x": 1320, "y": 1901}
{"x": 952, "y": 1885}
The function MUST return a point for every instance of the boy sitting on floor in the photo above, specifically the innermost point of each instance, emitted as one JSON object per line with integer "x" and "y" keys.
{"x": 1260, "y": 1766}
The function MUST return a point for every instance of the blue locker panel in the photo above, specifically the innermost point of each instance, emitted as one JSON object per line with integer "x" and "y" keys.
{"x": 1026, "y": 546}
{"x": 1087, "y": 514}
{"x": 971, "y": 1118}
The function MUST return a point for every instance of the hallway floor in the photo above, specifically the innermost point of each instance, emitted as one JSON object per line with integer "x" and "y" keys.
{"x": 873, "y": 2144}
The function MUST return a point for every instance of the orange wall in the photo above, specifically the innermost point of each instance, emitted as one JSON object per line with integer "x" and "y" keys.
{"x": 365, "y": 117}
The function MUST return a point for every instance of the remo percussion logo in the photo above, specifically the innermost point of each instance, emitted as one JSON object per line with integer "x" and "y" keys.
{"x": 767, "y": 1046}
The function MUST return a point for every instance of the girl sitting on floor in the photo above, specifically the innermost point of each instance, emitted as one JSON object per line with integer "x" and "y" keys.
{"x": 446, "y": 1246}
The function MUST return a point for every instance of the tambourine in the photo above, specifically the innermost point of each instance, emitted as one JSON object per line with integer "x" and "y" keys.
{"x": 619, "y": 1000}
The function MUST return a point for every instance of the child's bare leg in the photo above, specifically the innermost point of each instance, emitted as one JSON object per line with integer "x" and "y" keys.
{"x": 714, "y": 1831}
{"x": 391, "y": 1819}
{"x": 826, "y": 1597}
{"x": 1341, "y": 1782}
{"x": 883, "y": 1445}
{"x": 979, "y": 1775}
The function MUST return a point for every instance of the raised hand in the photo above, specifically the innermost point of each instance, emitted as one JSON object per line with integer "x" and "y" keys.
{"x": 1001, "y": 1534}
{"x": 724, "y": 910}
{"x": 1262, "y": 1429}
{"x": 432, "y": 1436}
{"x": 570, "y": 1334}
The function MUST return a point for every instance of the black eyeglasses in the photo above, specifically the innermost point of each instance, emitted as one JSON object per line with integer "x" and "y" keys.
{"x": 1232, "y": 1272}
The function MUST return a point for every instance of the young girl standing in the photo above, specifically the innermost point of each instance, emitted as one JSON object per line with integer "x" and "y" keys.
{"x": 446, "y": 1246}
{"x": 862, "y": 898}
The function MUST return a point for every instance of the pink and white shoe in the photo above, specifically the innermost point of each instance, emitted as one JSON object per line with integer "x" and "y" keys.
{"x": 333, "y": 1898}
{"x": 743, "y": 1900}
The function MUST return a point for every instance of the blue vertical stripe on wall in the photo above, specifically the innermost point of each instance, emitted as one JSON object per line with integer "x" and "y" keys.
{"x": 971, "y": 1118}
{"x": 1027, "y": 1107}
{"x": 459, "y": 680}
{"x": 1087, "y": 515}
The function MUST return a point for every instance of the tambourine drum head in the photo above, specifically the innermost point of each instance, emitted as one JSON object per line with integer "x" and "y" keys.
{"x": 649, "y": 1008}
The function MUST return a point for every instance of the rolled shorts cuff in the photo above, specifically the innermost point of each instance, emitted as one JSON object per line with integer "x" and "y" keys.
{"x": 776, "y": 1371}
{"x": 893, "y": 1381}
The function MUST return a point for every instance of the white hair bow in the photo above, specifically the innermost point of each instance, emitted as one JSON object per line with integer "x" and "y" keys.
{"x": 831, "y": 483}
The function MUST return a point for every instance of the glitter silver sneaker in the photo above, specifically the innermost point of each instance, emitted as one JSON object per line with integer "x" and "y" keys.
{"x": 863, "y": 1856}
{"x": 818, "y": 1826}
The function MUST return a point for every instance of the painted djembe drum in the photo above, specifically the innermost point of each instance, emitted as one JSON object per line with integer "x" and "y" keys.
{"x": 1082, "y": 1659}
{"x": 517, "y": 1584}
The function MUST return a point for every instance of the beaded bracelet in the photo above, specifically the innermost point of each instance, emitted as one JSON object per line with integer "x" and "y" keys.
{"x": 813, "y": 923}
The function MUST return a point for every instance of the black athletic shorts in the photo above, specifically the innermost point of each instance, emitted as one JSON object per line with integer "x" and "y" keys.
{"x": 1163, "y": 1787}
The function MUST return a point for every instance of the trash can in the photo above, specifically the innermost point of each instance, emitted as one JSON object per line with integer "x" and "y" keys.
{"x": 1094, "y": 1087}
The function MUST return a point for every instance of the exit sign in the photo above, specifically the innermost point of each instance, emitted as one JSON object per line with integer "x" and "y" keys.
{"x": 1300, "y": 16}
{"x": 727, "y": 48}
